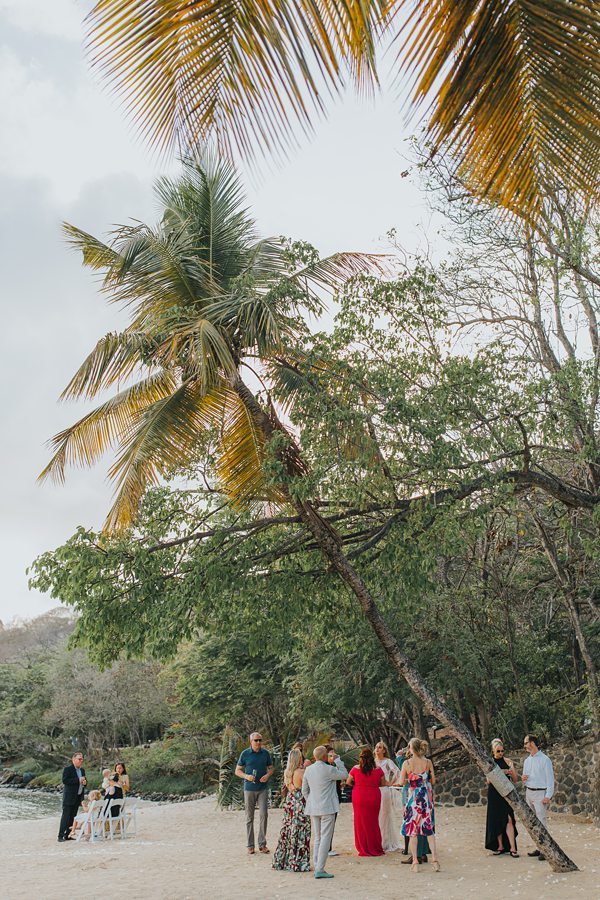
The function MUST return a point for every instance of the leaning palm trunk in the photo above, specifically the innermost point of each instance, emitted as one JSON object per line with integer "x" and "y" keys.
{"x": 330, "y": 545}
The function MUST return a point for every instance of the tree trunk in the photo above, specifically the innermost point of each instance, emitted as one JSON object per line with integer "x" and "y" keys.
{"x": 324, "y": 537}
{"x": 419, "y": 729}
{"x": 328, "y": 541}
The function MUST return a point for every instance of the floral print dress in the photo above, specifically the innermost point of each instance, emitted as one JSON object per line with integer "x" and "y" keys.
{"x": 419, "y": 814}
{"x": 293, "y": 847}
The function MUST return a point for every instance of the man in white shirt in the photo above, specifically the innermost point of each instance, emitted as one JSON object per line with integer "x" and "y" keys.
{"x": 322, "y": 804}
{"x": 538, "y": 777}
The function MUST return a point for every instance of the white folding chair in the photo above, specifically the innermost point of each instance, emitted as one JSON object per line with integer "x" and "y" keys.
{"x": 84, "y": 819}
{"x": 96, "y": 822}
{"x": 129, "y": 815}
{"x": 114, "y": 824}
{"x": 91, "y": 823}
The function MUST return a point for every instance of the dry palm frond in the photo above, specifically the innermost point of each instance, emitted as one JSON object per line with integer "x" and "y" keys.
{"x": 83, "y": 443}
{"x": 243, "y": 452}
{"x": 513, "y": 85}
{"x": 236, "y": 70}
{"x": 161, "y": 439}
{"x": 515, "y": 90}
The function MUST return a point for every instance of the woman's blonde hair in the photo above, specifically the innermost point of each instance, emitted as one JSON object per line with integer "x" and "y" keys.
{"x": 418, "y": 746}
{"x": 383, "y": 744}
{"x": 94, "y": 795}
{"x": 294, "y": 761}
{"x": 497, "y": 743}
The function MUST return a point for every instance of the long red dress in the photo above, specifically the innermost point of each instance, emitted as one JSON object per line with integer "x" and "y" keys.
{"x": 366, "y": 800}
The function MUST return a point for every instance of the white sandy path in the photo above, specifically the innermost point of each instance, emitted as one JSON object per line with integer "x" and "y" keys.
{"x": 191, "y": 851}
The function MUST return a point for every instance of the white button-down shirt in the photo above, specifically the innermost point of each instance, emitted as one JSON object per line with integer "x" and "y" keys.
{"x": 540, "y": 773}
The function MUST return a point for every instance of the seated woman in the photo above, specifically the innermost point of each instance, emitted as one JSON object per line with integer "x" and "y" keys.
{"x": 114, "y": 791}
{"x": 123, "y": 777}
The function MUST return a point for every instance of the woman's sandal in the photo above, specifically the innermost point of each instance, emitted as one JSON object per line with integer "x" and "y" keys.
{"x": 514, "y": 854}
{"x": 436, "y": 865}
{"x": 414, "y": 867}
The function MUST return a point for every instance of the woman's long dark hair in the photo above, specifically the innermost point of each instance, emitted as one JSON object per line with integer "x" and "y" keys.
{"x": 121, "y": 764}
{"x": 366, "y": 760}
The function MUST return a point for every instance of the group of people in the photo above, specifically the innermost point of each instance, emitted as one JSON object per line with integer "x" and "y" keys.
{"x": 115, "y": 784}
{"x": 312, "y": 803}
{"x": 380, "y": 786}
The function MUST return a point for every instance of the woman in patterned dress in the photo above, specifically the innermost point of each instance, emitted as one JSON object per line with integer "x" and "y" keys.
{"x": 293, "y": 847}
{"x": 419, "y": 813}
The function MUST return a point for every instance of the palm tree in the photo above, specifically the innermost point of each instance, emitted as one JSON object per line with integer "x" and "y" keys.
{"x": 207, "y": 299}
{"x": 512, "y": 87}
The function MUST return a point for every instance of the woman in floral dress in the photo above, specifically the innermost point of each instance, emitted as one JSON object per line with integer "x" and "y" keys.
{"x": 419, "y": 814}
{"x": 293, "y": 847}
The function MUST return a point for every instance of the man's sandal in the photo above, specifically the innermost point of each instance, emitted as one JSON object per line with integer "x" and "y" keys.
{"x": 250, "y": 850}
{"x": 264, "y": 850}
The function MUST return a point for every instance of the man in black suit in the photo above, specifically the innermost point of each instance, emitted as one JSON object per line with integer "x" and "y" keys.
{"x": 74, "y": 781}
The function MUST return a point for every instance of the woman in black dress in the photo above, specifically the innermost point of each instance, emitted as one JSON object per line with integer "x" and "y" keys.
{"x": 113, "y": 792}
{"x": 500, "y": 828}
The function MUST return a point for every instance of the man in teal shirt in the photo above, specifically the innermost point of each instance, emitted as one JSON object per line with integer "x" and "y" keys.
{"x": 255, "y": 766}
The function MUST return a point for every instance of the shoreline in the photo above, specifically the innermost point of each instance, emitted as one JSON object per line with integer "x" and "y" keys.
{"x": 149, "y": 796}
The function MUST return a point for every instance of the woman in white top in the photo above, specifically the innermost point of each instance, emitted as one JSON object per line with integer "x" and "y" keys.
{"x": 390, "y": 835}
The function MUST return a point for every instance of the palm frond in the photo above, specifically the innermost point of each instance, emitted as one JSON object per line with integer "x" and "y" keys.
{"x": 202, "y": 349}
{"x": 515, "y": 91}
{"x": 96, "y": 254}
{"x": 237, "y": 71}
{"x": 243, "y": 453}
{"x": 115, "y": 358}
{"x": 83, "y": 443}
{"x": 162, "y": 438}
{"x": 333, "y": 271}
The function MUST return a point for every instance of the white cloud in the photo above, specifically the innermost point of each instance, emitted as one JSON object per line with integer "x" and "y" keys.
{"x": 67, "y": 133}
{"x": 58, "y": 18}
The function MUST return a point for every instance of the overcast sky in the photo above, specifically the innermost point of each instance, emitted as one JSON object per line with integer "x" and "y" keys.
{"x": 67, "y": 153}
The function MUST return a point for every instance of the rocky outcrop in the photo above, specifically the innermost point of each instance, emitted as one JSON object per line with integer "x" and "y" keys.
{"x": 8, "y": 777}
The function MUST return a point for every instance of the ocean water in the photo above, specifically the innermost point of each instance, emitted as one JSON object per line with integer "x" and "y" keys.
{"x": 21, "y": 804}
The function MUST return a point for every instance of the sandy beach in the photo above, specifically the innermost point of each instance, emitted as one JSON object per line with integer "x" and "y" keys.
{"x": 191, "y": 851}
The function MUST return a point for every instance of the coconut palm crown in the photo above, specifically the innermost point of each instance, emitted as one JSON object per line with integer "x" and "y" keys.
{"x": 205, "y": 296}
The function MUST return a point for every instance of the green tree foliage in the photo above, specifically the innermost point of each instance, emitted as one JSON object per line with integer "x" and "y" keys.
{"x": 438, "y": 464}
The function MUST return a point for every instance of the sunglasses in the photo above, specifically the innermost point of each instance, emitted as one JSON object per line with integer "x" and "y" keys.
{"x": 257, "y": 740}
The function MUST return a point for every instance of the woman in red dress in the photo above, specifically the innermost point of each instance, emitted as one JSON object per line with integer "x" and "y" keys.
{"x": 367, "y": 778}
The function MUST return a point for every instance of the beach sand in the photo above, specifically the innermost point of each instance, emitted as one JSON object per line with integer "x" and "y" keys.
{"x": 192, "y": 851}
